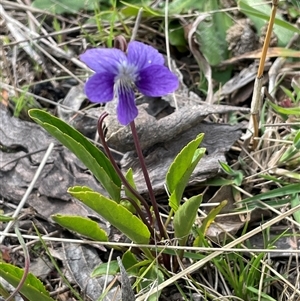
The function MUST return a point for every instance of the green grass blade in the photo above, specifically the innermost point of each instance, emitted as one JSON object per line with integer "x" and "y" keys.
{"x": 274, "y": 193}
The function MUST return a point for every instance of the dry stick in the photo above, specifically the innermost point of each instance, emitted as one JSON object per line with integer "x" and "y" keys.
{"x": 256, "y": 98}
{"x": 196, "y": 266}
{"x": 28, "y": 191}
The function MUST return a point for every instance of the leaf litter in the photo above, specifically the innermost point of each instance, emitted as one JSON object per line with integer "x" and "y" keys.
{"x": 23, "y": 143}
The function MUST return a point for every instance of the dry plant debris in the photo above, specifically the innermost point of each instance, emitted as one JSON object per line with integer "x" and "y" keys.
{"x": 40, "y": 69}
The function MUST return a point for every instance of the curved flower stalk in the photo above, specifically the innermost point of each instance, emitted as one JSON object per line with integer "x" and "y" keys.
{"x": 117, "y": 74}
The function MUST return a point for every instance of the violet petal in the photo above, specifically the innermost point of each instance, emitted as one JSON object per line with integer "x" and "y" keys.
{"x": 126, "y": 109}
{"x": 100, "y": 87}
{"x": 156, "y": 81}
{"x": 103, "y": 59}
{"x": 143, "y": 56}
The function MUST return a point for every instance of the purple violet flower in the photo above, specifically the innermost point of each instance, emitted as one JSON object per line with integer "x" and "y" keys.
{"x": 117, "y": 74}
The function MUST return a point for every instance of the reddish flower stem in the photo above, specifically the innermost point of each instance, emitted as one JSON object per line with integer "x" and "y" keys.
{"x": 122, "y": 177}
{"x": 147, "y": 180}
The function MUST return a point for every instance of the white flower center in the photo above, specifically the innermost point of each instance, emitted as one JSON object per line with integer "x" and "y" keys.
{"x": 127, "y": 75}
{"x": 125, "y": 79}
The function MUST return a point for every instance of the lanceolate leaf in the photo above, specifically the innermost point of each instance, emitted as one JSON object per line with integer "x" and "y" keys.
{"x": 114, "y": 213}
{"x": 81, "y": 225}
{"x": 88, "y": 153}
{"x": 181, "y": 170}
{"x": 184, "y": 218}
{"x": 32, "y": 289}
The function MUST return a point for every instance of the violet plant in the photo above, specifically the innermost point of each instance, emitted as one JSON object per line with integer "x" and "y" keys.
{"x": 118, "y": 73}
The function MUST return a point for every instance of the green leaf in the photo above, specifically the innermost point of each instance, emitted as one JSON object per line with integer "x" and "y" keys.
{"x": 184, "y": 218}
{"x": 181, "y": 169}
{"x": 129, "y": 261}
{"x": 88, "y": 153}
{"x": 295, "y": 201}
{"x": 32, "y": 289}
{"x": 285, "y": 111}
{"x": 261, "y": 13}
{"x": 116, "y": 214}
{"x": 176, "y": 35}
{"x": 106, "y": 268}
{"x": 288, "y": 93}
{"x": 200, "y": 239}
{"x": 296, "y": 140}
{"x": 64, "y": 6}
{"x": 236, "y": 174}
{"x": 288, "y": 154}
{"x": 131, "y": 10}
{"x": 125, "y": 203}
{"x": 4, "y": 218}
{"x": 211, "y": 216}
{"x": 180, "y": 6}
{"x": 262, "y": 295}
{"x": 81, "y": 225}
{"x": 151, "y": 275}
{"x": 211, "y": 34}
{"x": 3, "y": 292}
{"x": 292, "y": 149}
